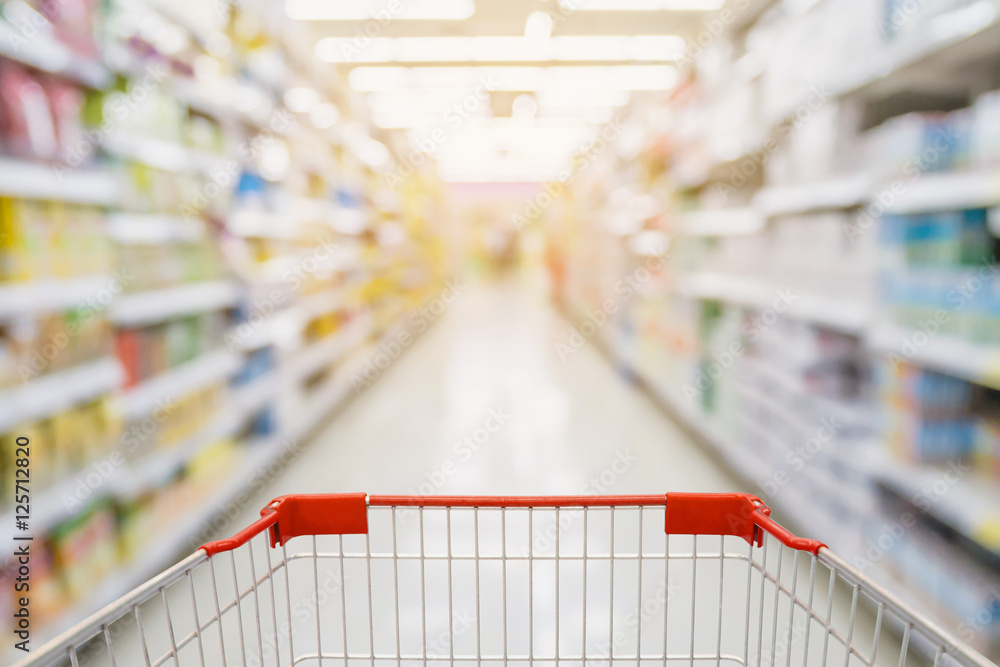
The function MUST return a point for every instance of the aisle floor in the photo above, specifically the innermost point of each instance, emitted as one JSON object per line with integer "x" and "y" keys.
{"x": 491, "y": 358}
{"x": 483, "y": 404}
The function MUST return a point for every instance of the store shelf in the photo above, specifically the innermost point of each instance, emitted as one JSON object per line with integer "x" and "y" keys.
{"x": 970, "y": 361}
{"x": 162, "y": 154}
{"x": 956, "y": 38}
{"x": 136, "y": 228}
{"x": 263, "y": 224}
{"x": 970, "y": 505}
{"x": 184, "y": 536}
{"x": 206, "y": 370}
{"x": 44, "y": 296}
{"x": 140, "y": 308}
{"x": 285, "y": 327}
{"x": 948, "y": 192}
{"x": 31, "y": 180}
{"x": 950, "y": 41}
{"x": 324, "y": 353}
{"x": 723, "y": 222}
{"x": 65, "y": 498}
{"x": 56, "y": 392}
{"x": 826, "y": 195}
{"x": 848, "y": 316}
{"x": 42, "y": 51}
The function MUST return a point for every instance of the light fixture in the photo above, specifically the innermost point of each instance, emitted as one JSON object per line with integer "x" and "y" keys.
{"x": 538, "y": 26}
{"x": 362, "y": 10}
{"x": 642, "y": 5}
{"x": 566, "y": 97}
{"x": 622, "y": 48}
{"x": 301, "y": 99}
{"x": 515, "y": 78}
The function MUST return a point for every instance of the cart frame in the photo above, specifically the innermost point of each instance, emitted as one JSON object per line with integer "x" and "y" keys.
{"x": 732, "y": 517}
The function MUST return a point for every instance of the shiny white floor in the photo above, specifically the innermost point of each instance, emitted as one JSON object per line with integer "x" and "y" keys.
{"x": 493, "y": 352}
{"x": 482, "y": 404}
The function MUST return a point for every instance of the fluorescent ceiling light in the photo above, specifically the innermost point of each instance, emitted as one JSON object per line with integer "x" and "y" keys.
{"x": 611, "y": 77}
{"x": 564, "y": 115}
{"x": 642, "y": 5}
{"x": 362, "y": 10}
{"x": 567, "y": 97}
{"x": 654, "y": 48}
{"x": 301, "y": 100}
{"x": 352, "y": 50}
{"x": 500, "y": 49}
{"x": 538, "y": 26}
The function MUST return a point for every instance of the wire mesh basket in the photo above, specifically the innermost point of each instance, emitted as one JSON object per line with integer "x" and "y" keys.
{"x": 350, "y": 579}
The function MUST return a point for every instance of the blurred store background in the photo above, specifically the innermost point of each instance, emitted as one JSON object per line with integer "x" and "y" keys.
{"x": 778, "y": 218}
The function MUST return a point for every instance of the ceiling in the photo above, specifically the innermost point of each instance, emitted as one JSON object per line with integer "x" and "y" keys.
{"x": 514, "y": 107}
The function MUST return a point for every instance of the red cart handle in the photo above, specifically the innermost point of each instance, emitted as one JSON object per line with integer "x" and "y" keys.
{"x": 738, "y": 514}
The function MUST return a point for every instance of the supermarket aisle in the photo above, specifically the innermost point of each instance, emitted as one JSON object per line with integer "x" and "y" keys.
{"x": 488, "y": 371}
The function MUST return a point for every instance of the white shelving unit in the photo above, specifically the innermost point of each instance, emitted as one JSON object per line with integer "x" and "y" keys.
{"x": 948, "y": 191}
{"x": 976, "y": 363}
{"x": 41, "y": 51}
{"x": 178, "y": 382}
{"x": 184, "y": 535}
{"x": 849, "y": 316}
{"x": 153, "y": 229}
{"x": 32, "y": 180}
{"x": 53, "y": 393}
{"x": 723, "y": 222}
{"x": 44, "y": 296}
{"x": 842, "y": 193}
{"x": 162, "y": 154}
{"x": 970, "y": 506}
{"x": 142, "y": 308}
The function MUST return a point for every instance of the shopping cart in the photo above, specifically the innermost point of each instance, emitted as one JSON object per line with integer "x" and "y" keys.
{"x": 489, "y": 580}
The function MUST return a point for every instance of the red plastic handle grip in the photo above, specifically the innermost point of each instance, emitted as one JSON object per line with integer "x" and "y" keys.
{"x": 738, "y": 514}
{"x": 516, "y": 501}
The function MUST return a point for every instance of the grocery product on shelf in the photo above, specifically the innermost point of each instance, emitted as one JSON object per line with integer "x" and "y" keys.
{"x": 215, "y": 184}
{"x": 801, "y": 157}
{"x": 148, "y": 351}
